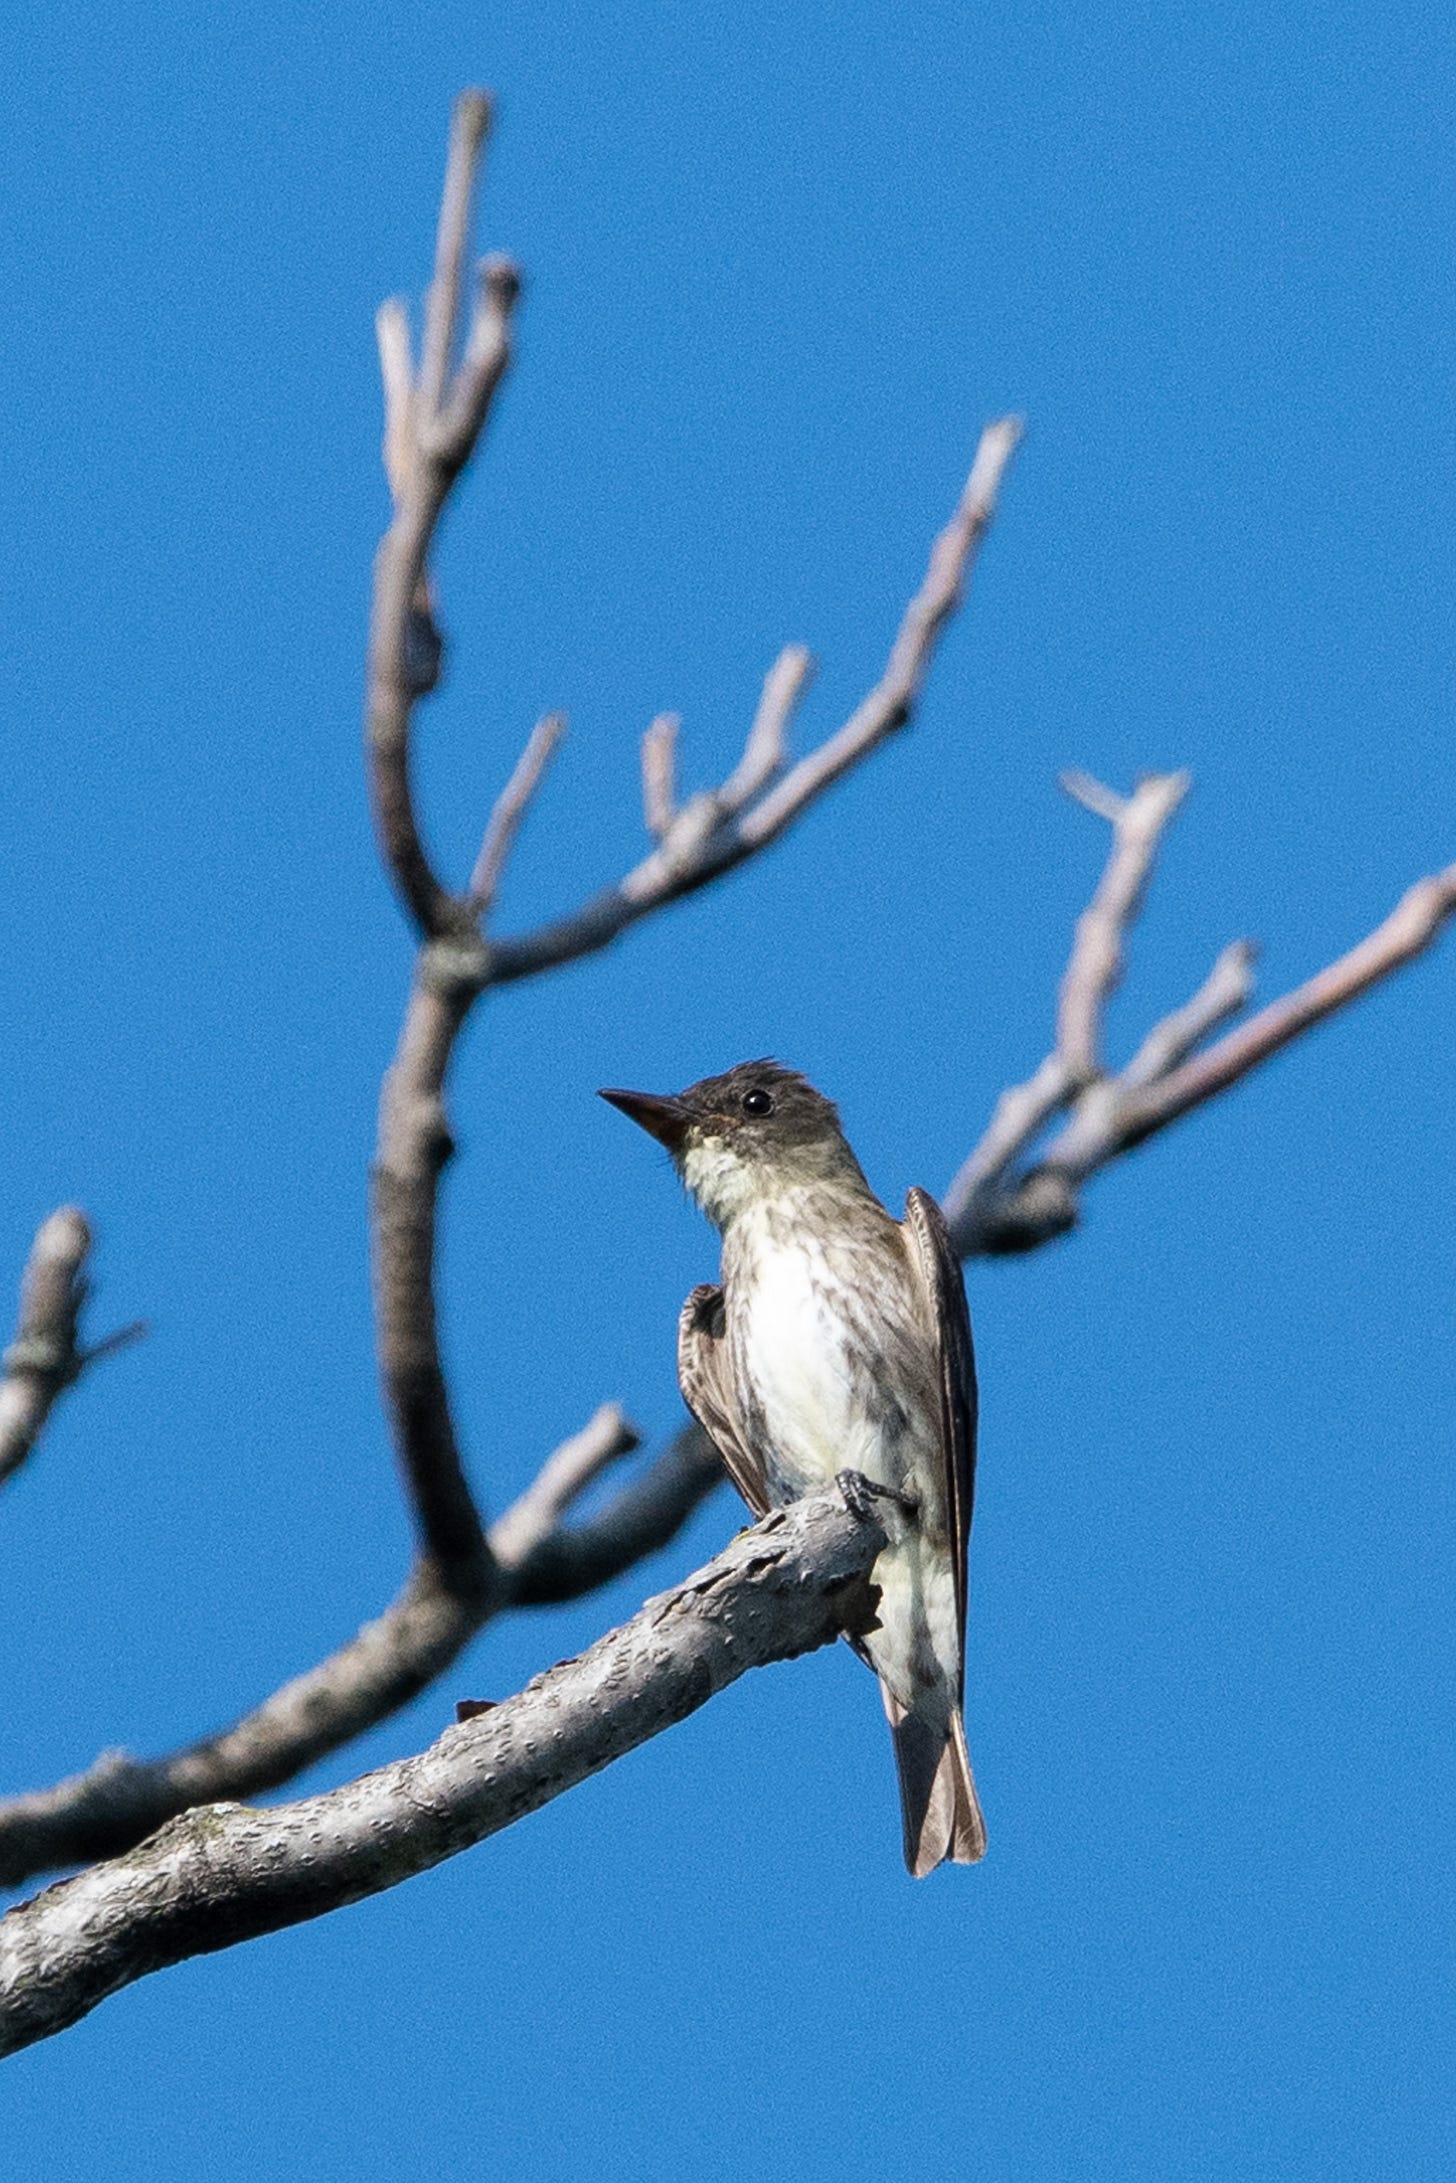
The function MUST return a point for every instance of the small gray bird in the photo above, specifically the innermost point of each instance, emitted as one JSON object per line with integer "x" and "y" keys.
{"x": 840, "y": 1340}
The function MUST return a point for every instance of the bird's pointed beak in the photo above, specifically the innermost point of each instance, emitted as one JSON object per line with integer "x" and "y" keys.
{"x": 664, "y": 1119}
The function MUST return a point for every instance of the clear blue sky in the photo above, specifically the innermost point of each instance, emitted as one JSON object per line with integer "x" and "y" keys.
{"x": 783, "y": 262}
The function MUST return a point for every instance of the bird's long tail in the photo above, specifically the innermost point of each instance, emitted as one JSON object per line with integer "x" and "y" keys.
{"x": 938, "y": 1799}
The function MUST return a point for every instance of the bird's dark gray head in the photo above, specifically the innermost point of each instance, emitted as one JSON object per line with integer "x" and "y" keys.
{"x": 754, "y": 1132}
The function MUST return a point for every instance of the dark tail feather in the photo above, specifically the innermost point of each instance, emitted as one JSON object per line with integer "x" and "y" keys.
{"x": 937, "y": 1794}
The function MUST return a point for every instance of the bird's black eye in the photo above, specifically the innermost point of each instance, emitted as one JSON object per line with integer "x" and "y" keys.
{"x": 757, "y": 1102}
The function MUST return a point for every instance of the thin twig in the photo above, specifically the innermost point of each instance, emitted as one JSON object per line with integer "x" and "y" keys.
{"x": 1021, "y": 1114}
{"x": 451, "y": 439}
{"x": 646, "y": 1515}
{"x": 765, "y": 751}
{"x": 561, "y": 1480}
{"x": 891, "y": 702}
{"x": 511, "y": 807}
{"x": 1096, "y": 963}
{"x": 1224, "y": 992}
{"x": 705, "y": 839}
{"x": 444, "y": 421}
{"x": 47, "y": 1355}
{"x": 469, "y": 124}
{"x": 993, "y": 1207}
{"x": 659, "y": 774}
{"x": 1092, "y": 972}
{"x": 1408, "y": 931}
{"x": 396, "y": 369}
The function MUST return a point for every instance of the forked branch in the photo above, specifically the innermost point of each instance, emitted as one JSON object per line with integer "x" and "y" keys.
{"x": 1009, "y": 1197}
{"x": 119, "y": 1800}
{"x": 720, "y": 828}
{"x": 224, "y": 1873}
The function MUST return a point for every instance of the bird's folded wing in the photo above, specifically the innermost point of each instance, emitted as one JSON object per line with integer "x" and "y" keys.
{"x": 707, "y": 1387}
{"x": 939, "y": 1272}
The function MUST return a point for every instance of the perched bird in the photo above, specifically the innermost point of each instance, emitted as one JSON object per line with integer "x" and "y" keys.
{"x": 840, "y": 1340}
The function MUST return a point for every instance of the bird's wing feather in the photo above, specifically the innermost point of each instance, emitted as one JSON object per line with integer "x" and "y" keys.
{"x": 707, "y": 1386}
{"x": 939, "y": 1272}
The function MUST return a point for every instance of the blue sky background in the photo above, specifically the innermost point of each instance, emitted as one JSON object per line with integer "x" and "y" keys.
{"x": 783, "y": 262}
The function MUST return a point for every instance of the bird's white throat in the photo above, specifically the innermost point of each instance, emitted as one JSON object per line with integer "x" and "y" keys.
{"x": 723, "y": 1184}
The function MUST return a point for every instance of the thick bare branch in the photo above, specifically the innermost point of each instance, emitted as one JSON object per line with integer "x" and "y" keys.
{"x": 414, "y": 1144}
{"x": 707, "y": 838}
{"x": 118, "y": 1801}
{"x": 453, "y": 1586}
{"x": 456, "y": 1582}
{"x": 47, "y": 1355}
{"x": 224, "y": 1873}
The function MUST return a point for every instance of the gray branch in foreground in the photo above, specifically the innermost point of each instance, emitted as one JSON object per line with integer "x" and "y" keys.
{"x": 226, "y": 1873}
{"x": 1008, "y": 1198}
{"x": 541, "y": 1559}
{"x": 47, "y": 1355}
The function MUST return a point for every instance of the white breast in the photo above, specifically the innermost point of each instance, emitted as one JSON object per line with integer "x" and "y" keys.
{"x": 796, "y": 1346}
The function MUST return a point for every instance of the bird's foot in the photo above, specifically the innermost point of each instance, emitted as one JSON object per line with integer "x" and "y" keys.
{"x": 861, "y": 1493}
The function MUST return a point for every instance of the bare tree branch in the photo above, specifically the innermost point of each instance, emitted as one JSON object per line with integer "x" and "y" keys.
{"x": 891, "y": 702}
{"x": 659, "y": 774}
{"x": 1022, "y": 1112}
{"x": 1095, "y": 970}
{"x": 561, "y": 1481}
{"x": 765, "y": 751}
{"x": 1003, "y": 1199}
{"x": 511, "y": 807}
{"x": 452, "y": 439}
{"x": 430, "y": 431}
{"x": 46, "y": 1355}
{"x": 1409, "y": 930}
{"x": 225, "y": 1873}
{"x": 532, "y": 1555}
{"x": 456, "y": 1582}
{"x": 396, "y": 369}
{"x": 711, "y": 834}
{"x": 119, "y": 1800}
{"x": 1223, "y": 993}
{"x": 646, "y": 1515}
{"x": 467, "y": 139}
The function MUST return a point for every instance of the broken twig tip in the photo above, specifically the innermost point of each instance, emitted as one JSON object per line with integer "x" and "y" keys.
{"x": 474, "y": 112}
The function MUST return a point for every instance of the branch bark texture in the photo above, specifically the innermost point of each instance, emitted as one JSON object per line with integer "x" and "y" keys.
{"x": 226, "y": 1873}
{"x": 540, "y": 1559}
